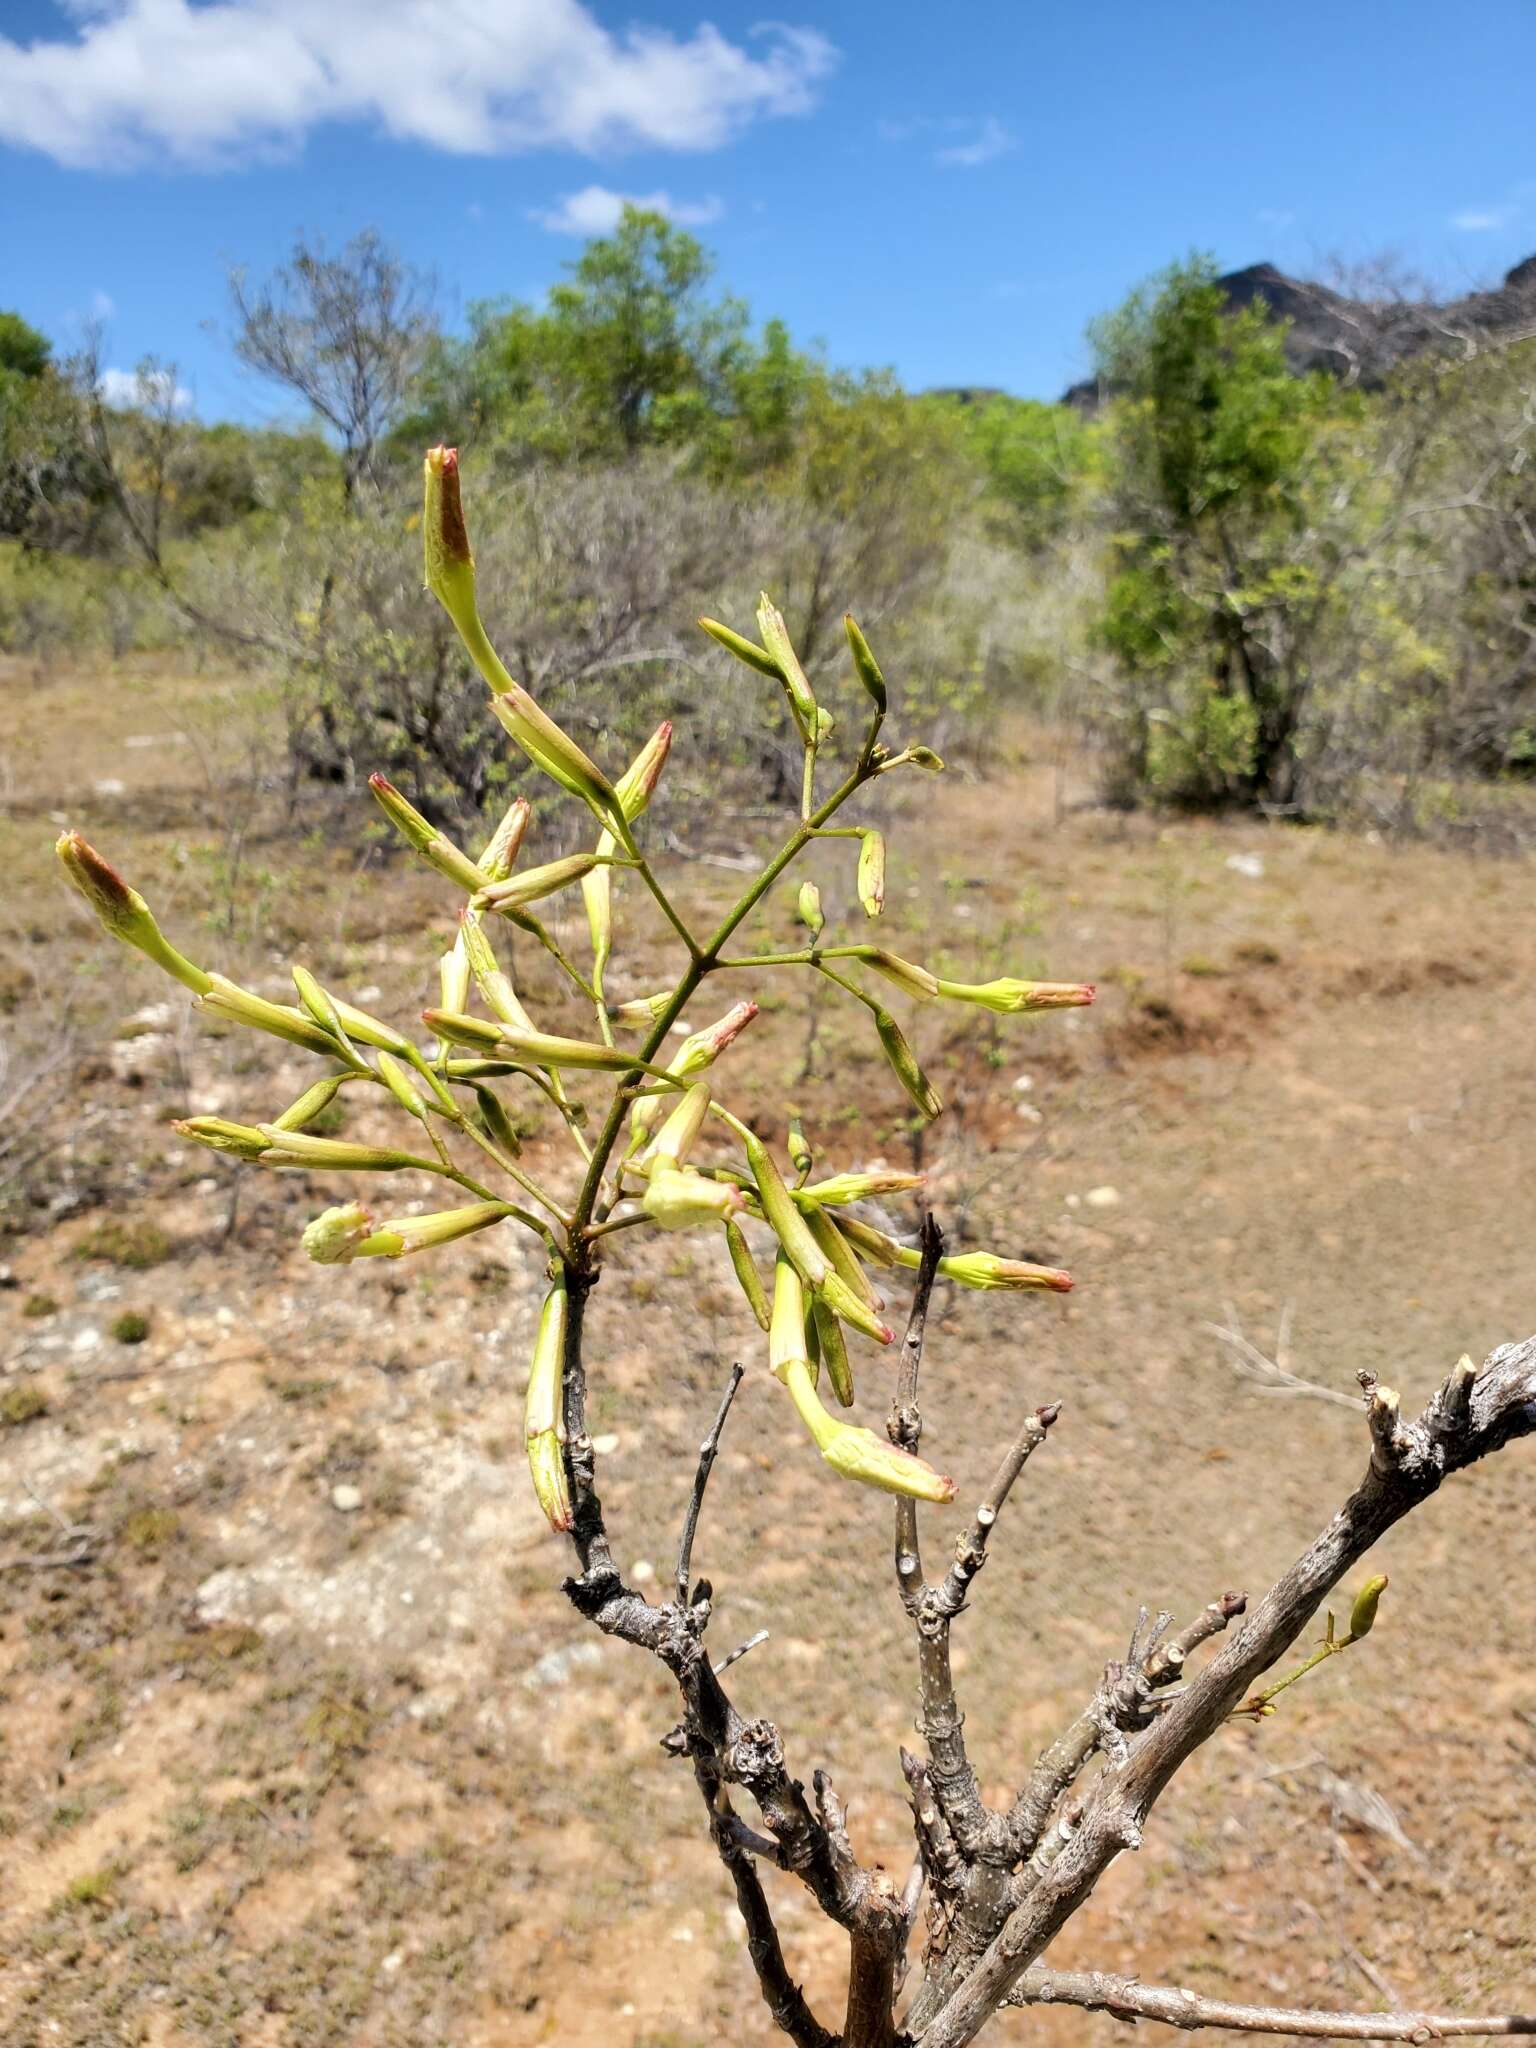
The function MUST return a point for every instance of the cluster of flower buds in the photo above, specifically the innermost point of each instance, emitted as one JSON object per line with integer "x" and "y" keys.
{"x": 822, "y": 1289}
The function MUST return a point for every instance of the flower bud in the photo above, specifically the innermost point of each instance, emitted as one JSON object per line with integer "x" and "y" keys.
{"x": 534, "y": 1048}
{"x": 1008, "y": 998}
{"x": 786, "y": 1321}
{"x": 866, "y": 665}
{"x": 436, "y": 849}
{"x": 459, "y": 1029}
{"x": 535, "y": 883}
{"x": 743, "y": 649}
{"x": 123, "y": 911}
{"x": 219, "y": 1135}
{"x": 802, "y": 701}
{"x": 318, "y": 1004}
{"x": 407, "y": 1234}
{"x": 499, "y": 854}
{"x": 678, "y": 1135}
{"x": 800, "y": 1246}
{"x": 301, "y": 1148}
{"x": 449, "y": 565}
{"x": 840, "y": 1257}
{"x": 988, "y": 1273}
{"x": 496, "y": 1123}
{"x": 639, "y": 1011}
{"x": 309, "y": 1105}
{"x": 858, "y": 1453}
{"x": 904, "y": 1065}
{"x": 453, "y": 978}
{"x": 704, "y": 1047}
{"x": 872, "y": 873}
{"x": 747, "y": 1275}
{"x": 834, "y": 1351}
{"x": 547, "y": 747}
{"x": 910, "y": 979}
{"x": 808, "y": 909}
{"x": 801, "y": 1157}
{"x": 680, "y": 1198}
{"x": 332, "y": 1238}
{"x": 403, "y": 1089}
{"x": 1362, "y": 1616}
{"x": 914, "y": 757}
{"x": 636, "y": 786}
{"x": 842, "y": 1188}
{"x": 874, "y": 1244}
{"x": 236, "y": 1005}
{"x": 494, "y": 985}
{"x": 544, "y": 1410}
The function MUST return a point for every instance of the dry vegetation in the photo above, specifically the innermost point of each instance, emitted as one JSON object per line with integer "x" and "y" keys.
{"x": 289, "y": 1747}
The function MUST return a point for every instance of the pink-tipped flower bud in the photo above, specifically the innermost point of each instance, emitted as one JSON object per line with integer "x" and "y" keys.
{"x": 1009, "y": 998}
{"x": 123, "y": 911}
{"x": 433, "y": 846}
{"x": 986, "y": 1272}
{"x": 499, "y": 854}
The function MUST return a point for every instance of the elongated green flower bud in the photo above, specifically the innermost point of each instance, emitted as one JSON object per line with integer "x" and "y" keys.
{"x": 434, "y": 847}
{"x": 858, "y": 1453}
{"x": 680, "y": 1198}
{"x": 874, "y": 1244}
{"x": 532, "y": 884}
{"x": 801, "y": 1157}
{"x": 841, "y": 1258}
{"x": 497, "y": 1124}
{"x": 332, "y": 1238}
{"x": 494, "y": 984}
{"x": 925, "y": 1097}
{"x": 786, "y": 1321}
{"x": 1362, "y": 1616}
{"x": 872, "y": 873}
{"x": 535, "y": 1048}
{"x": 302, "y": 1148}
{"x": 743, "y": 649}
{"x": 364, "y": 1029}
{"x": 910, "y": 979}
{"x": 309, "y": 1105}
{"x": 123, "y": 911}
{"x": 745, "y": 1268}
{"x": 236, "y": 1005}
{"x": 864, "y": 662}
{"x": 243, "y": 1141}
{"x": 479, "y": 1033}
{"x": 453, "y": 978}
{"x": 799, "y": 1243}
{"x": 450, "y": 572}
{"x": 499, "y": 854}
{"x": 842, "y": 1188}
{"x": 808, "y": 909}
{"x": 913, "y": 757}
{"x": 544, "y": 1411}
{"x": 834, "y": 1351}
{"x": 403, "y": 1089}
{"x": 678, "y": 1135}
{"x": 637, "y": 785}
{"x": 317, "y": 1004}
{"x": 1008, "y": 998}
{"x": 802, "y": 700}
{"x": 407, "y": 1234}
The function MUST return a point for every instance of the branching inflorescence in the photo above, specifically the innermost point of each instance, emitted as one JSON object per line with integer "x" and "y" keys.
{"x": 662, "y": 1150}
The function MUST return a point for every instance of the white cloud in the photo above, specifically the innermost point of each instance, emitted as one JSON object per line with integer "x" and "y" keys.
{"x": 595, "y": 210}
{"x": 215, "y": 84}
{"x": 1276, "y": 217}
{"x": 991, "y": 141}
{"x": 1480, "y": 220}
{"x": 135, "y": 387}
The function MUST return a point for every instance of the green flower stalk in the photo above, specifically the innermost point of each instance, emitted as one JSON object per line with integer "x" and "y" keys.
{"x": 123, "y": 911}
{"x": 434, "y": 847}
{"x": 865, "y": 665}
{"x": 450, "y": 576}
{"x": 925, "y": 1097}
{"x": 1011, "y": 998}
{"x": 544, "y": 1411}
{"x": 871, "y": 878}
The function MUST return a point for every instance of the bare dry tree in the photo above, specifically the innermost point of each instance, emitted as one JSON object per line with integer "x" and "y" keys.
{"x": 343, "y": 332}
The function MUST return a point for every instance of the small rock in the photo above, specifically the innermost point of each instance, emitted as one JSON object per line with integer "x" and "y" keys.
{"x": 1023, "y": 1084}
{"x": 642, "y": 1571}
{"x": 606, "y": 1444}
{"x": 1103, "y": 1198}
{"x": 1027, "y": 1113}
{"x": 391, "y": 1963}
{"x": 109, "y": 786}
{"x": 1249, "y": 864}
{"x": 556, "y": 1666}
{"x": 346, "y": 1499}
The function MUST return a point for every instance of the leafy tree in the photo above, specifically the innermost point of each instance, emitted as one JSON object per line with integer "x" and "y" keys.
{"x": 1038, "y": 459}
{"x": 24, "y": 352}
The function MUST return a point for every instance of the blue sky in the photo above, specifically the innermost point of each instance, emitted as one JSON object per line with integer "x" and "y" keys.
{"x": 953, "y": 190}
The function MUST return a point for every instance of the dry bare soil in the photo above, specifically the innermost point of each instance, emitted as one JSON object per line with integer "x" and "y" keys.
{"x": 309, "y": 1748}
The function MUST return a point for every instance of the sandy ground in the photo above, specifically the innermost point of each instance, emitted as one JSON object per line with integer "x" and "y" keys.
{"x": 310, "y": 1748}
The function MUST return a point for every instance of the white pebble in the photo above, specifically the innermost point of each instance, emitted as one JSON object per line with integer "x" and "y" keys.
{"x": 346, "y": 1499}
